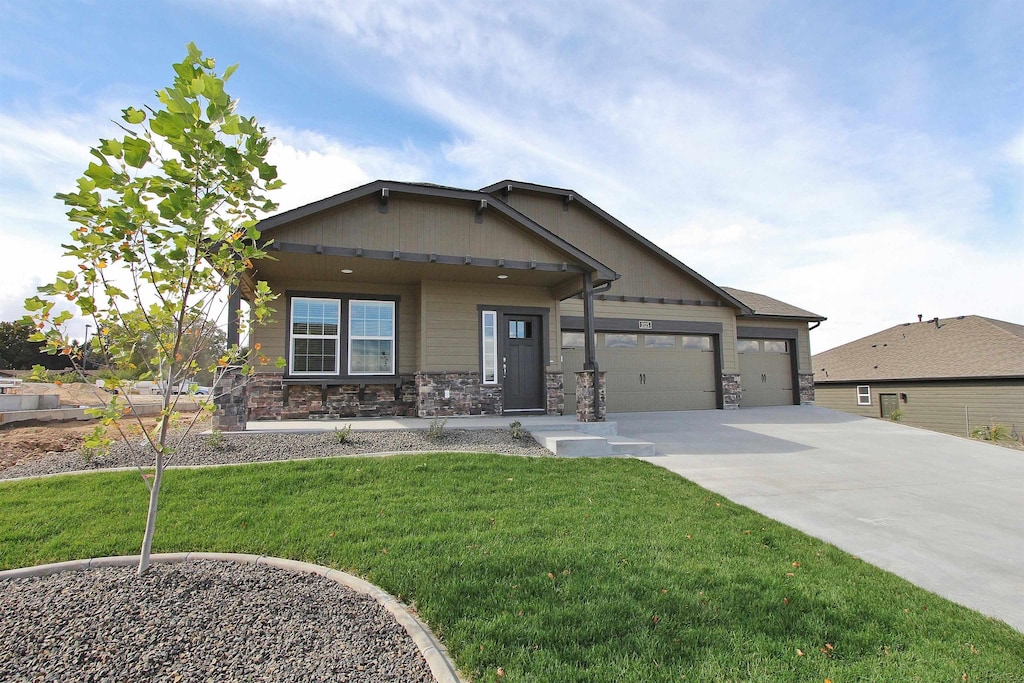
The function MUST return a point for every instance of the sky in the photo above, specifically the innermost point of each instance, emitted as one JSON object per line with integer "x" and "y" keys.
{"x": 864, "y": 161}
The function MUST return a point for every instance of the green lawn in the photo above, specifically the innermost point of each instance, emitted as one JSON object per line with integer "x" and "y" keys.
{"x": 554, "y": 570}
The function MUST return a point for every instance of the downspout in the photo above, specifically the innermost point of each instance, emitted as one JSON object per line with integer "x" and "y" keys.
{"x": 814, "y": 326}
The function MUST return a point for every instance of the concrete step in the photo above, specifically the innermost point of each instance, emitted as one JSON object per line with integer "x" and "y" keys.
{"x": 574, "y": 444}
{"x": 620, "y": 445}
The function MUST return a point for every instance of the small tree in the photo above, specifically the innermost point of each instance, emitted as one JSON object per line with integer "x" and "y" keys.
{"x": 165, "y": 221}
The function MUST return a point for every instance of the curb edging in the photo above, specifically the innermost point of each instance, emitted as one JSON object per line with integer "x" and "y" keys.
{"x": 430, "y": 648}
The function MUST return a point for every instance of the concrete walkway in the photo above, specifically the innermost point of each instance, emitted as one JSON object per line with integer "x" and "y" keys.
{"x": 943, "y": 512}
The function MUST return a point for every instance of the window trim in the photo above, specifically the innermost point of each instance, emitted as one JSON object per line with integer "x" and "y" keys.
{"x": 393, "y": 338}
{"x": 292, "y": 337}
{"x": 342, "y": 375}
{"x": 864, "y": 397}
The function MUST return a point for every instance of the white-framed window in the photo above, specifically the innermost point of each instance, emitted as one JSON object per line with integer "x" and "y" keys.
{"x": 489, "y": 346}
{"x": 863, "y": 395}
{"x": 371, "y": 337}
{"x": 315, "y": 336}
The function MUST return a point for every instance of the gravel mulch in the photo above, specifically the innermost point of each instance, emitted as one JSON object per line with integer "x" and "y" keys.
{"x": 199, "y": 621}
{"x": 246, "y": 447}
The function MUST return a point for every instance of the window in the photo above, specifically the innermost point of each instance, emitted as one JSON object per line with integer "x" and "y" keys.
{"x": 520, "y": 329}
{"x": 315, "y": 336}
{"x": 489, "y": 352}
{"x": 747, "y": 346}
{"x": 771, "y": 346}
{"x": 659, "y": 341}
{"x": 620, "y": 341}
{"x": 863, "y": 395}
{"x": 371, "y": 337}
{"x": 702, "y": 343}
{"x": 573, "y": 340}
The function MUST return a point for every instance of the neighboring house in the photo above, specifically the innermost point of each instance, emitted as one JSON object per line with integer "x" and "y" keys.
{"x": 950, "y": 375}
{"x": 416, "y": 299}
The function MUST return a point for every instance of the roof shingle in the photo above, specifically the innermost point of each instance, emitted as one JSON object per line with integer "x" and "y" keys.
{"x": 765, "y": 305}
{"x": 963, "y": 347}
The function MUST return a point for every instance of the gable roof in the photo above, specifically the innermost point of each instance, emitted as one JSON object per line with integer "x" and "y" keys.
{"x": 479, "y": 199}
{"x": 505, "y": 186}
{"x": 765, "y": 306}
{"x": 949, "y": 348}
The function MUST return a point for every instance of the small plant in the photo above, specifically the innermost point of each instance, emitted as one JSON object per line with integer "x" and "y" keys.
{"x": 992, "y": 432}
{"x": 215, "y": 440}
{"x": 516, "y": 429}
{"x": 344, "y": 435}
{"x": 91, "y": 453}
{"x": 436, "y": 430}
{"x": 896, "y": 415}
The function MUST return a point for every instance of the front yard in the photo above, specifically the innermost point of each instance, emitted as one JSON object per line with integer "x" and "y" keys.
{"x": 543, "y": 569}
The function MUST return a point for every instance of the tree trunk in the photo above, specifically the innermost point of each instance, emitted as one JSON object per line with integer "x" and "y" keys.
{"x": 154, "y": 496}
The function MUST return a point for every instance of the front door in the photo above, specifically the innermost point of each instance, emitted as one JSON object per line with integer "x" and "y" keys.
{"x": 523, "y": 360}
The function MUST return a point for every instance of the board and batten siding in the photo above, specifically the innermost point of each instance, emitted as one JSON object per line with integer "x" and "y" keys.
{"x": 450, "y": 321}
{"x": 940, "y": 405}
{"x": 803, "y": 338}
{"x": 644, "y": 273}
{"x": 724, "y": 316}
{"x": 272, "y": 336}
{"x": 419, "y": 225}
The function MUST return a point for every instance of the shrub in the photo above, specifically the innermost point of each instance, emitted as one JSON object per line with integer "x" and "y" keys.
{"x": 516, "y": 429}
{"x": 344, "y": 435}
{"x": 436, "y": 430}
{"x": 992, "y": 432}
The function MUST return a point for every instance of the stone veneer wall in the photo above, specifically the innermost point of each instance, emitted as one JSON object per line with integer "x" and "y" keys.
{"x": 466, "y": 395}
{"x": 585, "y": 409}
{"x": 555, "y": 388}
{"x": 731, "y": 391}
{"x": 271, "y": 399}
{"x": 806, "y": 388}
{"x": 230, "y": 403}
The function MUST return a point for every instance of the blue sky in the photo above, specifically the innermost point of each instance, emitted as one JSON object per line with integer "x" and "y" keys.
{"x": 861, "y": 160}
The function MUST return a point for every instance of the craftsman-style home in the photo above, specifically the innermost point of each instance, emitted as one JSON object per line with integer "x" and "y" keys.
{"x": 415, "y": 299}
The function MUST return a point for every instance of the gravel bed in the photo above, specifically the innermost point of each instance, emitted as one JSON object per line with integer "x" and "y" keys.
{"x": 199, "y": 621}
{"x": 246, "y": 447}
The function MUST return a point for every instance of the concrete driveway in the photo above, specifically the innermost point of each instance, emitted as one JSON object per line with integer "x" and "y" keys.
{"x": 943, "y": 512}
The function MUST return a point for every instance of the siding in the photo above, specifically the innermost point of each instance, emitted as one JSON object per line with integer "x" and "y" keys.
{"x": 644, "y": 273}
{"x": 422, "y": 226}
{"x": 942, "y": 405}
{"x": 724, "y": 316}
{"x": 450, "y": 321}
{"x": 271, "y": 336}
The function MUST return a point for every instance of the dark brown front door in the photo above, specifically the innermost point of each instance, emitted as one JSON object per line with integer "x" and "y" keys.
{"x": 523, "y": 387}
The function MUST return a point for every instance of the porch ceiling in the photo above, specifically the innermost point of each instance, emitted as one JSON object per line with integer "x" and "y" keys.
{"x": 290, "y": 266}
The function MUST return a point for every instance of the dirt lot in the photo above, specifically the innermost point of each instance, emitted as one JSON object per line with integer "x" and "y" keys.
{"x": 32, "y": 439}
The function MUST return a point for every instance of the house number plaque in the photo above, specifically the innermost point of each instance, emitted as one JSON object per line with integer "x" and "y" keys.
{"x": 646, "y": 324}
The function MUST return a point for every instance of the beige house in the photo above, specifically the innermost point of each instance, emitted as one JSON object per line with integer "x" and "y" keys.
{"x": 415, "y": 299}
{"x": 950, "y": 375}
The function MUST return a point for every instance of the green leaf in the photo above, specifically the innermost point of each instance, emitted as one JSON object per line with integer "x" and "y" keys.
{"x": 111, "y": 148}
{"x": 133, "y": 116}
{"x": 136, "y": 152}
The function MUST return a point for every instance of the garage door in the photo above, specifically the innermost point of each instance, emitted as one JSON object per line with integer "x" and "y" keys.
{"x": 766, "y": 372}
{"x": 646, "y": 372}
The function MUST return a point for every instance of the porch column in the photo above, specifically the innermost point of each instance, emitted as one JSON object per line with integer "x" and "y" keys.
{"x": 590, "y": 399}
{"x": 234, "y": 309}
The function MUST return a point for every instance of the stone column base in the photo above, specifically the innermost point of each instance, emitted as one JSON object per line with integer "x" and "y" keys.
{"x": 806, "y": 388}
{"x": 586, "y": 410}
{"x": 231, "y": 402}
{"x": 732, "y": 391}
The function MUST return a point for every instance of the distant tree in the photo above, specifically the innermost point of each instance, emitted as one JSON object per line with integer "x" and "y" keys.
{"x": 165, "y": 220}
{"x": 202, "y": 341}
{"x": 19, "y": 352}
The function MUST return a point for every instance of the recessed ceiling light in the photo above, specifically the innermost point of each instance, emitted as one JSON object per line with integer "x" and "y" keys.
{"x": 347, "y": 271}
{"x": 503, "y": 277}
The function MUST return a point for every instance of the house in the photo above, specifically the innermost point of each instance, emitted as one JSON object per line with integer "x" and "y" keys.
{"x": 418, "y": 299}
{"x": 950, "y": 375}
